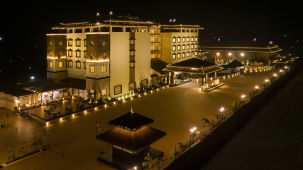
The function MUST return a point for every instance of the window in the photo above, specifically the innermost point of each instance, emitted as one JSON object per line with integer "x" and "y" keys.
{"x": 84, "y": 65}
{"x": 179, "y": 55}
{"x": 60, "y": 64}
{"x": 91, "y": 69}
{"x": 78, "y": 53}
{"x": 196, "y": 46}
{"x": 187, "y": 39}
{"x": 188, "y": 46}
{"x": 70, "y": 53}
{"x": 179, "y": 39}
{"x": 174, "y": 48}
{"x": 103, "y": 69}
{"x": 78, "y": 42}
{"x": 144, "y": 83}
{"x": 87, "y": 30}
{"x": 51, "y": 64}
{"x": 187, "y": 54}
{"x": 183, "y": 47}
{"x": 183, "y": 55}
{"x": 196, "y": 53}
{"x": 179, "y": 47}
{"x": 192, "y": 46}
{"x": 183, "y": 39}
{"x": 174, "y": 56}
{"x": 104, "y": 92}
{"x": 132, "y": 64}
{"x": 70, "y": 63}
{"x": 84, "y": 54}
{"x": 78, "y": 30}
{"x": 196, "y": 39}
{"x": 117, "y": 89}
{"x": 174, "y": 39}
{"x": 70, "y": 31}
{"x": 78, "y": 64}
{"x": 84, "y": 42}
{"x": 192, "y": 39}
{"x": 70, "y": 42}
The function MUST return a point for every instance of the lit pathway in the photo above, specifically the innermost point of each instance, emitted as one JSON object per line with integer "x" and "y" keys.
{"x": 175, "y": 110}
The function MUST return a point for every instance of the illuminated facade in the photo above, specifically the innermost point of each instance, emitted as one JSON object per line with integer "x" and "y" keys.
{"x": 111, "y": 55}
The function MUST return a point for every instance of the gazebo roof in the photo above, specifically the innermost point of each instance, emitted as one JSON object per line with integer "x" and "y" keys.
{"x": 131, "y": 121}
{"x": 234, "y": 64}
{"x": 131, "y": 140}
{"x": 193, "y": 63}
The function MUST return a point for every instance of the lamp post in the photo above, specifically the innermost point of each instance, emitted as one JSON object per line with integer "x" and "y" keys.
{"x": 192, "y": 133}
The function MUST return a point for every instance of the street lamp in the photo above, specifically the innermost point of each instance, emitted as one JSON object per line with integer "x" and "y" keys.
{"x": 192, "y": 131}
{"x": 243, "y": 96}
{"x": 275, "y": 75}
{"x": 242, "y": 54}
{"x": 256, "y": 87}
{"x": 266, "y": 80}
{"x": 221, "y": 109}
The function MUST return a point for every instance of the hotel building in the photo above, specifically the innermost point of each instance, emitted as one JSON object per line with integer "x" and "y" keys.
{"x": 112, "y": 55}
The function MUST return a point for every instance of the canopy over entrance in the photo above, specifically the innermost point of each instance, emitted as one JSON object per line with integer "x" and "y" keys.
{"x": 193, "y": 66}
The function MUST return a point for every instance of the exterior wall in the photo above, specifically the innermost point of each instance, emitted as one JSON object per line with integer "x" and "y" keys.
{"x": 142, "y": 64}
{"x": 167, "y": 44}
{"x": 74, "y": 72}
{"x": 56, "y": 52}
{"x": 7, "y": 101}
{"x": 119, "y": 62}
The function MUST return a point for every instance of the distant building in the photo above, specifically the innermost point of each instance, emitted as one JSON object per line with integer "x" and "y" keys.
{"x": 252, "y": 54}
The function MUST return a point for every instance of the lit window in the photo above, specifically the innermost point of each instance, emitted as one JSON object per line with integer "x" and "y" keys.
{"x": 187, "y": 54}
{"x": 196, "y": 39}
{"x": 179, "y": 47}
{"x": 70, "y": 42}
{"x": 51, "y": 64}
{"x": 60, "y": 64}
{"x": 174, "y": 48}
{"x": 188, "y": 46}
{"x": 78, "y": 64}
{"x": 117, "y": 89}
{"x": 183, "y": 47}
{"x": 78, "y": 42}
{"x": 196, "y": 46}
{"x": 103, "y": 69}
{"x": 174, "y": 39}
{"x": 92, "y": 69}
{"x": 192, "y": 46}
{"x": 187, "y": 39}
{"x": 78, "y": 53}
{"x": 70, "y": 63}
{"x": 183, "y": 55}
{"x": 192, "y": 39}
{"x": 132, "y": 64}
{"x": 183, "y": 39}
{"x": 70, "y": 53}
{"x": 179, "y": 55}
{"x": 174, "y": 56}
{"x": 179, "y": 39}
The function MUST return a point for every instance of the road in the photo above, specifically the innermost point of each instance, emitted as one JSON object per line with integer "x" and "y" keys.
{"x": 175, "y": 110}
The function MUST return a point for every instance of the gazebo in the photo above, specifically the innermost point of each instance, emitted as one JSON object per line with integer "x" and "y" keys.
{"x": 194, "y": 66}
{"x": 131, "y": 139}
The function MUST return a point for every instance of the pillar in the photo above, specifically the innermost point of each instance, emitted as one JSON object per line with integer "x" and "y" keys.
{"x": 215, "y": 75}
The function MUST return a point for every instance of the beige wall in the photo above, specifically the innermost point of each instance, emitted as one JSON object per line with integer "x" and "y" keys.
{"x": 119, "y": 62}
{"x": 142, "y": 64}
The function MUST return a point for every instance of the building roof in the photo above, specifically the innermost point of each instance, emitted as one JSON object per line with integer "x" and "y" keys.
{"x": 17, "y": 91}
{"x": 131, "y": 121}
{"x": 193, "y": 63}
{"x": 131, "y": 140}
{"x": 158, "y": 65}
{"x": 234, "y": 64}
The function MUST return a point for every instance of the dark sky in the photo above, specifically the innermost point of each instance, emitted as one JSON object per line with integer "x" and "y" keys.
{"x": 23, "y": 25}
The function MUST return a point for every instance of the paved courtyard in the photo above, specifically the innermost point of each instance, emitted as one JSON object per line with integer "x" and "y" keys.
{"x": 175, "y": 110}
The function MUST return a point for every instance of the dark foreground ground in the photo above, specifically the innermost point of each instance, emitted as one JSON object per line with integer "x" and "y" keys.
{"x": 273, "y": 139}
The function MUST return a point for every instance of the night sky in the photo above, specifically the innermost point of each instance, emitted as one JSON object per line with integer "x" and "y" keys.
{"x": 24, "y": 25}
